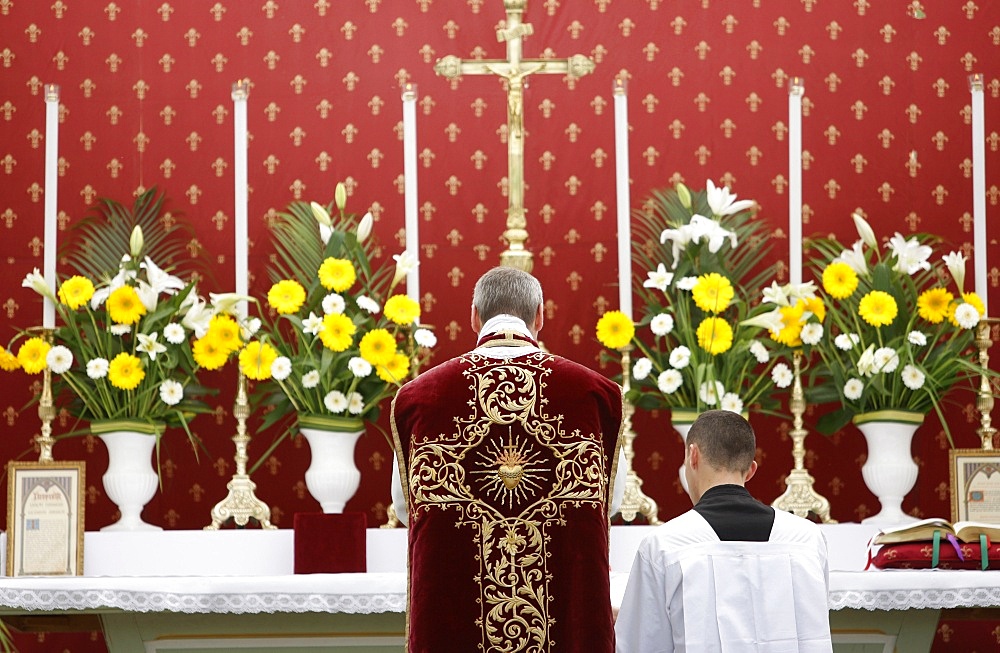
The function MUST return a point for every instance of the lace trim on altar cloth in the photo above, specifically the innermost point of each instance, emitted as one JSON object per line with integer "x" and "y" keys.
{"x": 915, "y": 599}
{"x": 146, "y": 601}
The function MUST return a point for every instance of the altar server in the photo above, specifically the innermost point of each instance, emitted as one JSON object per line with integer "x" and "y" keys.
{"x": 732, "y": 574}
{"x": 507, "y": 457}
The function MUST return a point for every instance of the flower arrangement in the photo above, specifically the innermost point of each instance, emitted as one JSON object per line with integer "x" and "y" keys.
{"x": 338, "y": 340}
{"x": 129, "y": 347}
{"x": 703, "y": 251}
{"x": 897, "y": 330}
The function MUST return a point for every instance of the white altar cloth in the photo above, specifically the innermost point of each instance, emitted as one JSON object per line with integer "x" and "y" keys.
{"x": 250, "y": 571}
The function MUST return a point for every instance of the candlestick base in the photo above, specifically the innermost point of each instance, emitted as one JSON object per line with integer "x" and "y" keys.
{"x": 393, "y": 520}
{"x": 984, "y": 400}
{"x": 241, "y": 504}
{"x": 799, "y": 496}
{"x": 635, "y": 502}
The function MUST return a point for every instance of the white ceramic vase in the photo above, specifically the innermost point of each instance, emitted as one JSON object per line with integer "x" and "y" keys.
{"x": 682, "y": 421}
{"x": 889, "y": 472}
{"x": 332, "y": 477}
{"x": 130, "y": 481}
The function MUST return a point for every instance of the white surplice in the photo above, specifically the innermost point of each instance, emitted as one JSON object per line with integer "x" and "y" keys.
{"x": 690, "y": 592}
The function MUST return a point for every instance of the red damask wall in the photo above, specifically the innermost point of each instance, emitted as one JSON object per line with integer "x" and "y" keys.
{"x": 146, "y": 101}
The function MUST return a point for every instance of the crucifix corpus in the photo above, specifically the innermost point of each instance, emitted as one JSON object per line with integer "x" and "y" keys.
{"x": 514, "y": 70}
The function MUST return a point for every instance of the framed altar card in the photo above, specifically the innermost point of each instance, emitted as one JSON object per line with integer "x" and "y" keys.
{"x": 975, "y": 485}
{"x": 45, "y": 518}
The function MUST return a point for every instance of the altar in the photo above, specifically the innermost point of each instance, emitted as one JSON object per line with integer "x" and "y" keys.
{"x": 236, "y": 590}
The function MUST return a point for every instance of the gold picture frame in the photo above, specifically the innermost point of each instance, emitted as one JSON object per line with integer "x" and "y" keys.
{"x": 45, "y": 518}
{"x": 975, "y": 485}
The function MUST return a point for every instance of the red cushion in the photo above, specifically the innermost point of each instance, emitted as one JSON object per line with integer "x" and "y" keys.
{"x": 330, "y": 544}
{"x": 920, "y": 555}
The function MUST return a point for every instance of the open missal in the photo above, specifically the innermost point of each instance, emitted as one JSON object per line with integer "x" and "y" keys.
{"x": 966, "y": 531}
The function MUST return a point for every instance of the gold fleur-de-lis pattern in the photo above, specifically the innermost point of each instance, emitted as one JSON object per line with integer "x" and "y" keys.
{"x": 145, "y": 100}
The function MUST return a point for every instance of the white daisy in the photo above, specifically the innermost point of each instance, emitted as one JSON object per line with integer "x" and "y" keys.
{"x": 759, "y": 351}
{"x": 97, "y": 368}
{"x": 669, "y": 381}
{"x": 812, "y": 333}
{"x": 174, "y": 333}
{"x": 335, "y": 401}
{"x": 425, "y": 338}
{"x": 886, "y": 360}
{"x": 967, "y": 316}
{"x": 359, "y": 367}
{"x": 368, "y": 304}
{"x": 171, "y": 392}
{"x": 687, "y": 283}
{"x": 334, "y": 304}
{"x": 250, "y": 327}
{"x": 912, "y": 377}
{"x": 853, "y": 389}
{"x": 641, "y": 369}
{"x": 731, "y": 402}
{"x": 355, "y": 403}
{"x": 313, "y": 324}
{"x": 662, "y": 324}
{"x": 916, "y": 338}
{"x": 782, "y": 375}
{"x": 844, "y": 341}
{"x": 59, "y": 359}
{"x": 310, "y": 380}
{"x": 710, "y": 392}
{"x": 680, "y": 357}
{"x": 120, "y": 329}
{"x": 281, "y": 368}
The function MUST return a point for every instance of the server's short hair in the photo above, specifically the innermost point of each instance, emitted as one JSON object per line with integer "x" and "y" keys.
{"x": 725, "y": 439}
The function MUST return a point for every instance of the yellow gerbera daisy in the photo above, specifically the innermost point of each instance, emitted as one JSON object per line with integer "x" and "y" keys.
{"x": 401, "y": 309}
{"x": 256, "y": 359}
{"x": 338, "y": 332}
{"x": 715, "y": 335}
{"x": 615, "y": 330}
{"x": 125, "y": 371}
{"x": 32, "y": 355}
{"x": 396, "y": 370}
{"x": 76, "y": 291}
{"x": 225, "y": 331}
{"x": 337, "y": 274}
{"x": 378, "y": 347}
{"x": 125, "y": 307}
{"x": 8, "y": 361}
{"x": 209, "y": 353}
{"x": 712, "y": 292}
{"x": 977, "y": 303}
{"x": 878, "y": 308}
{"x": 286, "y": 296}
{"x": 932, "y": 304}
{"x": 840, "y": 280}
{"x": 816, "y": 306}
{"x": 791, "y": 319}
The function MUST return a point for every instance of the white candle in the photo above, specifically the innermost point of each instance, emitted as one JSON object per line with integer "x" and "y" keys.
{"x": 795, "y": 92}
{"x": 241, "y": 90}
{"x": 410, "y": 186}
{"x": 51, "y": 195}
{"x": 979, "y": 186}
{"x": 623, "y": 204}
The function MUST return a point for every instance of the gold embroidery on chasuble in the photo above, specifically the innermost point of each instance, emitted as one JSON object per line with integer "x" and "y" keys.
{"x": 510, "y": 470}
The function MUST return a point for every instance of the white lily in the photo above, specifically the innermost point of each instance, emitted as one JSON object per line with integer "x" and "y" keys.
{"x": 37, "y": 282}
{"x": 712, "y": 231}
{"x": 198, "y": 318}
{"x": 365, "y": 227}
{"x": 658, "y": 278}
{"x": 910, "y": 254}
{"x": 149, "y": 345}
{"x": 340, "y": 196}
{"x": 405, "y": 263}
{"x": 723, "y": 202}
{"x": 955, "y": 262}
{"x": 319, "y": 212}
{"x": 225, "y": 302}
{"x": 135, "y": 241}
{"x": 771, "y": 321}
{"x": 864, "y": 230}
{"x": 679, "y": 239}
{"x": 866, "y": 364}
{"x": 161, "y": 281}
{"x": 147, "y": 295}
{"x": 775, "y": 295}
{"x": 855, "y": 257}
{"x": 797, "y": 291}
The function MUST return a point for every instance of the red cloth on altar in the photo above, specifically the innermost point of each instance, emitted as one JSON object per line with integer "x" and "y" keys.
{"x": 508, "y": 464}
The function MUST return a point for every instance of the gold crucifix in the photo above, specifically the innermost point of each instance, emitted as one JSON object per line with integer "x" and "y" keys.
{"x": 514, "y": 69}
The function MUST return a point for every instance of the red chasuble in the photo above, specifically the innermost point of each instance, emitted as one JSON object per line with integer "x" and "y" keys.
{"x": 509, "y": 465}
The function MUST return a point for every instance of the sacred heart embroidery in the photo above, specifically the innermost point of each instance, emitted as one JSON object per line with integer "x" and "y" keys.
{"x": 510, "y": 470}
{"x": 510, "y": 475}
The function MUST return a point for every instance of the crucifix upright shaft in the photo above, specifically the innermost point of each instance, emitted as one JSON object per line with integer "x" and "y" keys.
{"x": 514, "y": 69}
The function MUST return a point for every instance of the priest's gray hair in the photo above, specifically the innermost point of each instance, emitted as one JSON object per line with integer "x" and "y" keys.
{"x": 507, "y": 290}
{"x": 725, "y": 440}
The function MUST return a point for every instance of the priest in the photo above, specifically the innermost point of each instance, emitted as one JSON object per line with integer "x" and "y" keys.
{"x": 506, "y": 458}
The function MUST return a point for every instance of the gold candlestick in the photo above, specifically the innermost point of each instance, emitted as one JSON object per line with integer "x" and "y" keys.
{"x": 241, "y": 504}
{"x": 46, "y": 413}
{"x": 984, "y": 402}
{"x": 635, "y": 502}
{"x": 799, "y": 497}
